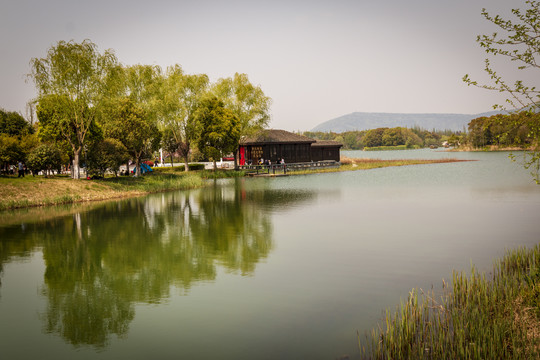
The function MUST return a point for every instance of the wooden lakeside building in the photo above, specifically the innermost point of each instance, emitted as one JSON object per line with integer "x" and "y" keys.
{"x": 275, "y": 145}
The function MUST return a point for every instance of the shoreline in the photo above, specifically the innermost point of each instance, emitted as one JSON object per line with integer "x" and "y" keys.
{"x": 490, "y": 148}
{"x": 31, "y": 192}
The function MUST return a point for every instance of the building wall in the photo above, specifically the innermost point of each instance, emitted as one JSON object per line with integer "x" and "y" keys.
{"x": 320, "y": 153}
{"x": 292, "y": 153}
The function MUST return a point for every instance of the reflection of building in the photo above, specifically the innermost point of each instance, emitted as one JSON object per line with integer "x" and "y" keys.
{"x": 274, "y": 145}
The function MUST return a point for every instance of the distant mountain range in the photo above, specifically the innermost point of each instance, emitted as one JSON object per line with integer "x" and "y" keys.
{"x": 366, "y": 121}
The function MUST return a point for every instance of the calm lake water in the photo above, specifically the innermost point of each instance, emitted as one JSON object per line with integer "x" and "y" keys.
{"x": 284, "y": 268}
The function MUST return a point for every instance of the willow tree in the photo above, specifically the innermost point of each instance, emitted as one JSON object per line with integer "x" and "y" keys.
{"x": 247, "y": 101}
{"x": 181, "y": 96}
{"x": 519, "y": 43}
{"x": 74, "y": 73}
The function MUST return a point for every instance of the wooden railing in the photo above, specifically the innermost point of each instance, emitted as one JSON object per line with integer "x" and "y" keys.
{"x": 285, "y": 168}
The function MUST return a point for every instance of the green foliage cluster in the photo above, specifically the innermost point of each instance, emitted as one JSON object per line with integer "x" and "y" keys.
{"x": 397, "y": 136}
{"x": 17, "y": 139}
{"x": 13, "y": 124}
{"x": 520, "y": 129}
{"x": 96, "y": 110}
{"x": 106, "y": 155}
{"x": 220, "y": 132}
{"x": 46, "y": 158}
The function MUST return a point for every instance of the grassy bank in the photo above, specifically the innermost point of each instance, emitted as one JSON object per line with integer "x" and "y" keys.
{"x": 476, "y": 317}
{"x": 39, "y": 191}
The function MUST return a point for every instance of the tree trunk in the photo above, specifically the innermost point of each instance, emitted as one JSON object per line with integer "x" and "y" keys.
{"x": 75, "y": 168}
{"x": 186, "y": 163}
{"x": 138, "y": 167}
{"x": 172, "y": 162}
{"x": 236, "y": 159}
{"x": 127, "y": 168}
{"x": 215, "y": 165}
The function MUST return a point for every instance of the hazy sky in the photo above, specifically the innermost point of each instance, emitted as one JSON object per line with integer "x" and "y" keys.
{"x": 317, "y": 60}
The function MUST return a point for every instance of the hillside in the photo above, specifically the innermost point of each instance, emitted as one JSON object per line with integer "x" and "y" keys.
{"x": 366, "y": 121}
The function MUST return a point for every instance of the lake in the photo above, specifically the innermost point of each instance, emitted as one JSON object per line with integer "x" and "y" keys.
{"x": 264, "y": 268}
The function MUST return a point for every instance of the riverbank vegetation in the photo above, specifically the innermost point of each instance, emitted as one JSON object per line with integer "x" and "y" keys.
{"x": 494, "y": 316}
{"x": 502, "y": 131}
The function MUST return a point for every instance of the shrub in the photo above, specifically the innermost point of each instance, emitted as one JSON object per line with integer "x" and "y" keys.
{"x": 196, "y": 166}
{"x": 10, "y": 150}
{"x": 105, "y": 155}
{"x": 179, "y": 168}
{"x": 46, "y": 158}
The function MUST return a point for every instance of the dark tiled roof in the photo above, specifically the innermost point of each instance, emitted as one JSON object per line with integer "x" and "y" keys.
{"x": 328, "y": 143}
{"x": 275, "y": 137}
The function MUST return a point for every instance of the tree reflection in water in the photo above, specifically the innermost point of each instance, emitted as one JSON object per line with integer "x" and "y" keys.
{"x": 100, "y": 263}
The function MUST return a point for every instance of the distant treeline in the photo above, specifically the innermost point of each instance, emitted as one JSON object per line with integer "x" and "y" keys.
{"x": 502, "y": 131}
{"x": 513, "y": 130}
{"x": 397, "y": 136}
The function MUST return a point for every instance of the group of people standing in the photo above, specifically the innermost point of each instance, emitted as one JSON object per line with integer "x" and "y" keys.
{"x": 268, "y": 162}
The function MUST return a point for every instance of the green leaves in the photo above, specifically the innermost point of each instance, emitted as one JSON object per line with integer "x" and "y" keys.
{"x": 519, "y": 43}
{"x": 245, "y": 100}
{"x": 180, "y": 96}
{"x": 12, "y": 123}
{"x": 107, "y": 154}
{"x": 82, "y": 91}
{"x": 220, "y": 128}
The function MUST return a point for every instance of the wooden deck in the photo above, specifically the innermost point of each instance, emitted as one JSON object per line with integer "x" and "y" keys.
{"x": 282, "y": 170}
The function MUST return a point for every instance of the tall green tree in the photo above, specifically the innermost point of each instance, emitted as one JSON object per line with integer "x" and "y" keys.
{"x": 247, "y": 101}
{"x": 518, "y": 42}
{"x": 131, "y": 111}
{"x": 220, "y": 129}
{"x": 181, "y": 95}
{"x": 75, "y": 73}
{"x": 130, "y": 124}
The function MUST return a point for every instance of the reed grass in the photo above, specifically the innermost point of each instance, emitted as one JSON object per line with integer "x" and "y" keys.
{"x": 477, "y": 317}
